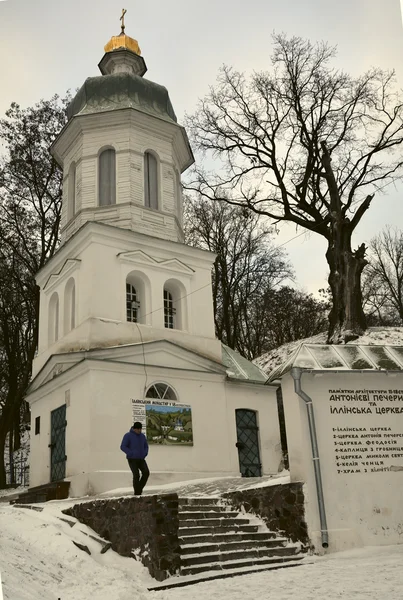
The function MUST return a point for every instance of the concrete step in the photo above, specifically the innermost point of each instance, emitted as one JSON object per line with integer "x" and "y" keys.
{"x": 216, "y": 508}
{"x": 205, "y": 516}
{"x": 212, "y": 522}
{"x": 231, "y": 545}
{"x": 226, "y": 537}
{"x": 199, "y": 530}
{"x": 232, "y": 555}
{"x": 234, "y": 564}
{"x": 176, "y": 582}
{"x": 197, "y": 501}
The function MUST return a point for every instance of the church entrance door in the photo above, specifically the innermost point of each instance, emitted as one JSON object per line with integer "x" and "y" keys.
{"x": 248, "y": 443}
{"x": 58, "y": 443}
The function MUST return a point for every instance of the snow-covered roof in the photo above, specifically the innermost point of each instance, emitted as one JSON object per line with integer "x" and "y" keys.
{"x": 239, "y": 367}
{"x": 374, "y": 336}
{"x": 349, "y": 357}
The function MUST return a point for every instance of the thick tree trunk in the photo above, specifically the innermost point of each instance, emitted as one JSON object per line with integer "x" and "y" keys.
{"x": 346, "y": 319}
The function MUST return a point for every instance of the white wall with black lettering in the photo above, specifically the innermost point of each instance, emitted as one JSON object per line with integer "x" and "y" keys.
{"x": 359, "y": 423}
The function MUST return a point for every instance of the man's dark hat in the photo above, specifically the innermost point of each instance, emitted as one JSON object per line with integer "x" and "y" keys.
{"x": 137, "y": 425}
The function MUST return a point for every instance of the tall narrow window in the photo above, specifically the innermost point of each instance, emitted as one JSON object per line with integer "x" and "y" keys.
{"x": 73, "y": 307}
{"x": 107, "y": 177}
{"x": 53, "y": 319}
{"x": 71, "y": 206}
{"x": 69, "y": 306}
{"x": 169, "y": 310}
{"x": 132, "y": 304}
{"x": 150, "y": 181}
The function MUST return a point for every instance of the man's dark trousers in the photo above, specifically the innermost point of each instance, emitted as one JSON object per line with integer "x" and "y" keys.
{"x": 137, "y": 466}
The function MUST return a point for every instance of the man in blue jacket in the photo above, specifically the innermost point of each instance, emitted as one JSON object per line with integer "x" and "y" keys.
{"x": 135, "y": 446}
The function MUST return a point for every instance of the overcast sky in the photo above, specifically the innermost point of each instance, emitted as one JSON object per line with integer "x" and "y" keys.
{"x": 49, "y": 47}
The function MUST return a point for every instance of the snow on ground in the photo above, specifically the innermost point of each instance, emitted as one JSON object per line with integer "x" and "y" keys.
{"x": 213, "y": 487}
{"x": 374, "y": 336}
{"x": 38, "y": 561}
{"x": 12, "y": 492}
{"x": 366, "y": 574}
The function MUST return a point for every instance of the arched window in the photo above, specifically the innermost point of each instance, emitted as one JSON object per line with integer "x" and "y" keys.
{"x": 161, "y": 391}
{"x": 107, "y": 177}
{"x": 138, "y": 303}
{"x": 132, "y": 304}
{"x": 69, "y": 306}
{"x": 150, "y": 181}
{"x": 71, "y": 205}
{"x": 175, "y": 306}
{"x": 53, "y": 319}
{"x": 169, "y": 310}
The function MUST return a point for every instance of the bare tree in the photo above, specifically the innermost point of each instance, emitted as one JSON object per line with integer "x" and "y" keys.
{"x": 383, "y": 277}
{"x": 30, "y": 206}
{"x": 247, "y": 266}
{"x": 284, "y": 315}
{"x": 306, "y": 144}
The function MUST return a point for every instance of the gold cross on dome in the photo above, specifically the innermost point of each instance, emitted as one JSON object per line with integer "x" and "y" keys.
{"x": 122, "y": 18}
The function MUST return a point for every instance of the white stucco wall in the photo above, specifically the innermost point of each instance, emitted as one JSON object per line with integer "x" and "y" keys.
{"x": 100, "y": 413}
{"x": 263, "y": 400}
{"x": 75, "y": 393}
{"x": 100, "y": 261}
{"x": 362, "y": 492}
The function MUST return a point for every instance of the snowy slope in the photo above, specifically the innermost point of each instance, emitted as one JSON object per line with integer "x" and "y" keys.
{"x": 38, "y": 561}
{"x": 375, "y": 336}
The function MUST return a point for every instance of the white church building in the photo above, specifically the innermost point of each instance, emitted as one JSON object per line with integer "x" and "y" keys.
{"x": 126, "y": 311}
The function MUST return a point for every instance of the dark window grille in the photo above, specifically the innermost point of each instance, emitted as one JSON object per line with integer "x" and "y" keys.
{"x": 132, "y": 304}
{"x": 248, "y": 443}
{"x": 169, "y": 310}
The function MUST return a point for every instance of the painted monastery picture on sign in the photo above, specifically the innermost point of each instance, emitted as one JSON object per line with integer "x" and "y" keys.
{"x": 164, "y": 422}
{"x": 169, "y": 425}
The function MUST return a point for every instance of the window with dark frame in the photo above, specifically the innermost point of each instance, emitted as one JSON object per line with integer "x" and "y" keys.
{"x": 37, "y": 425}
{"x": 132, "y": 304}
{"x": 150, "y": 181}
{"x": 169, "y": 310}
{"x": 107, "y": 177}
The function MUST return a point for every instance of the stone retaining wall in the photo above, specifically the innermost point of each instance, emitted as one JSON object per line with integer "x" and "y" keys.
{"x": 147, "y": 523}
{"x": 280, "y": 506}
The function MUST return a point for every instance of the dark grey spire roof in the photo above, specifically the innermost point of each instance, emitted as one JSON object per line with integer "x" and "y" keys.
{"x": 122, "y": 90}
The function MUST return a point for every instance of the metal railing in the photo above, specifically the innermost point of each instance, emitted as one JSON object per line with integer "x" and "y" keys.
{"x": 18, "y": 473}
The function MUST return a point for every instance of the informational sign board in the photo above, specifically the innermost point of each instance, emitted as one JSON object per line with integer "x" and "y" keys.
{"x": 164, "y": 422}
{"x": 366, "y": 429}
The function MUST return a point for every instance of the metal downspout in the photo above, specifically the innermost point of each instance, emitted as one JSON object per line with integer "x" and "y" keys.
{"x": 296, "y": 375}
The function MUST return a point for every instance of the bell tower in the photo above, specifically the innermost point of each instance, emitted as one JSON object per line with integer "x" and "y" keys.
{"x": 122, "y": 151}
{"x": 122, "y": 274}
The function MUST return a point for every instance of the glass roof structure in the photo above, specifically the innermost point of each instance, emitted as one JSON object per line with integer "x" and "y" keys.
{"x": 316, "y": 357}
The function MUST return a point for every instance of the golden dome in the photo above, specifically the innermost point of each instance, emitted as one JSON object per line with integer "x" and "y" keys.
{"x": 123, "y": 41}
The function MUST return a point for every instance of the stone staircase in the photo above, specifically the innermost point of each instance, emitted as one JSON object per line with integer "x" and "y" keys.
{"x": 217, "y": 542}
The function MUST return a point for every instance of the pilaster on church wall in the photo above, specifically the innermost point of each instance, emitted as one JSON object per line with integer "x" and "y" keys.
{"x": 88, "y": 181}
{"x": 123, "y": 176}
{"x": 168, "y": 187}
{"x": 65, "y": 191}
{"x": 136, "y": 175}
